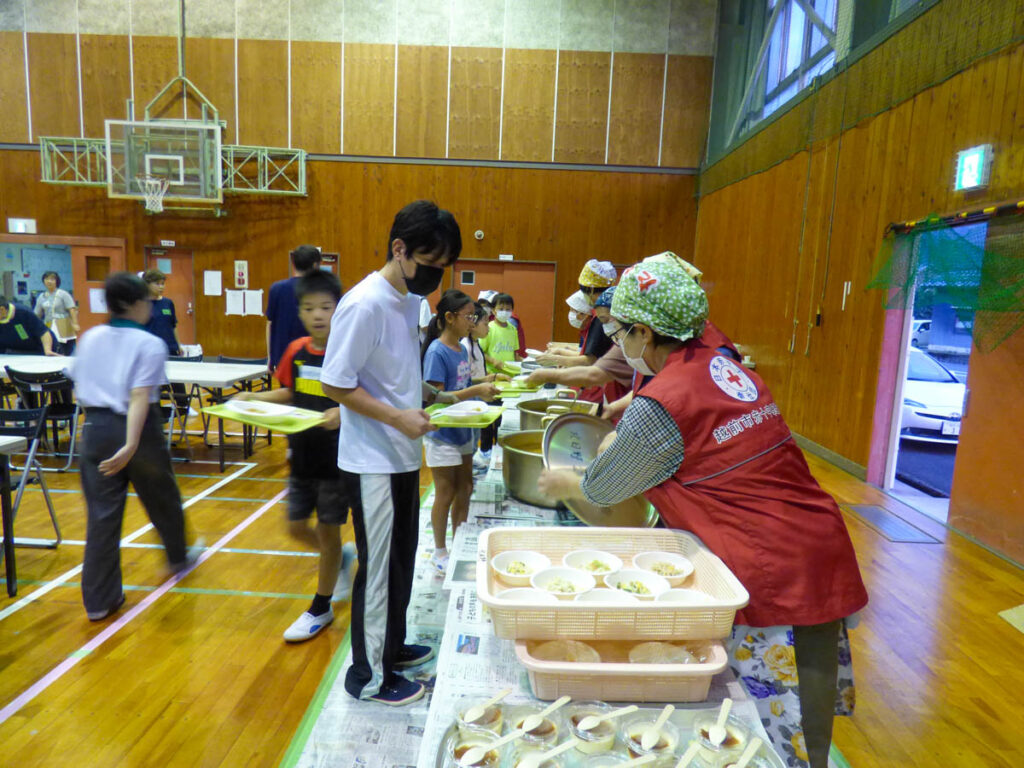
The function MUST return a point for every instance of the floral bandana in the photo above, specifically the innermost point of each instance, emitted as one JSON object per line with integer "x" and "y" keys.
{"x": 605, "y": 299}
{"x": 597, "y": 274}
{"x": 661, "y": 292}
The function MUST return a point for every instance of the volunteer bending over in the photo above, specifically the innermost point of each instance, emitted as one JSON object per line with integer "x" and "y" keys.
{"x": 704, "y": 441}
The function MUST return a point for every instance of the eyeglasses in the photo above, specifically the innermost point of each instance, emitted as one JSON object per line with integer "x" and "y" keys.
{"x": 592, "y": 290}
{"x": 471, "y": 316}
{"x": 620, "y": 333}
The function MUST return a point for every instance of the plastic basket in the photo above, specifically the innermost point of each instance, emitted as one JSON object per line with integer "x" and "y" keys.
{"x": 595, "y": 621}
{"x": 621, "y": 681}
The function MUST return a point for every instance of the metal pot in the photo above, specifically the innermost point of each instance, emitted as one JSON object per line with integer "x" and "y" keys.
{"x": 522, "y": 463}
{"x": 532, "y": 413}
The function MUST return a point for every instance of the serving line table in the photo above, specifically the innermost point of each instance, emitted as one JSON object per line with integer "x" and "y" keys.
{"x": 9, "y": 445}
{"x": 213, "y": 376}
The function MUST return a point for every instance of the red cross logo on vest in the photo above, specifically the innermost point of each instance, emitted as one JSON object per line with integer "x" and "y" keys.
{"x": 732, "y": 379}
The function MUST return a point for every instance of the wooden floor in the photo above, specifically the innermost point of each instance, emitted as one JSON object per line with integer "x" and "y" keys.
{"x": 201, "y": 677}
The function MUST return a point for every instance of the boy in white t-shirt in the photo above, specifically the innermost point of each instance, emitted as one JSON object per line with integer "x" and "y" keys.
{"x": 372, "y": 368}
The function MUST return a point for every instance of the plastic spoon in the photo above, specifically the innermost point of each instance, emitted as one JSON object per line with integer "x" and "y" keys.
{"x": 590, "y": 722}
{"x": 717, "y": 732}
{"x": 538, "y": 758}
{"x": 534, "y": 721}
{"x": 653, "y": 733}
{"x": 688, "y": 756}
{"x": 749, "y": 752}
{"x": 474, "y": 755}
{"x": 475, "y": 712}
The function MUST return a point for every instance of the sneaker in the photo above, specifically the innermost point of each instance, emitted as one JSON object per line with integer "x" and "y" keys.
{"x": 192, "y": 555}
{"x": 413, "y": 656}
{"x": 343, "y": 586}
{"x": 440, "y": 562}
{"x": 398, "y": 691}
{"x": 307, "y": 626}
{"x": 482, "y": 459}
{"x": 101, "y": 615}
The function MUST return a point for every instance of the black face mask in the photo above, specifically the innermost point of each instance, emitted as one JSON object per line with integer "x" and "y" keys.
{"x": 424, "y": 280}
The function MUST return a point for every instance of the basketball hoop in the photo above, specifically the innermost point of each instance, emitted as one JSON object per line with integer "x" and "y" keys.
{"x": 153, "y": 190}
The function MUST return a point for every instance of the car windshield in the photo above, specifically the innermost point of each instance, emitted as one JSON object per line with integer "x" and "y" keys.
{"x": 920, "y": 367}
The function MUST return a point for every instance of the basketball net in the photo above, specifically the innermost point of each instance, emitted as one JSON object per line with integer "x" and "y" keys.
{"x": 153, "y": 190}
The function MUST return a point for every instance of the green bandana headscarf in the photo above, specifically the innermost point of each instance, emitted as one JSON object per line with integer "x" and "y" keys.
{"x": 662, "y": 292}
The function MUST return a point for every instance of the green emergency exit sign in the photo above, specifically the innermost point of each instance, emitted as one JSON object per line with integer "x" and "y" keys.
{"x": 972, "y": 167}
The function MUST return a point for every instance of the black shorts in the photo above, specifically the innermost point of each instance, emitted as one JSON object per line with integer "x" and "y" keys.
{"x": 327, "y": 497}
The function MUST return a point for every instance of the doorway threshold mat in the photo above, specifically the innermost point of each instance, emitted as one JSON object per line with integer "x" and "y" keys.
{"x": 1015, "y": 617}
{"x": 894, "y": 528}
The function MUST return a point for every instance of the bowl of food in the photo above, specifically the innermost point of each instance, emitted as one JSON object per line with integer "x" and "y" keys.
{"x": 684, "y": 597}
{"x": 633, "y": 730}
{"x": 731, "y": 747}
{"x": 544, "y": 735}
{"x": 487, "y": 723}
{"x": 672, "y": 567}
{"x": 528, "y": 596}
{"x": 656, "y": 652}
{"x": 464, "y": 739}
{"x": 593, "y": 561}
{"x": 644, "y": 584}
{"x": 271, "y": 413}
{"x": 564, "y": 583}
{"x": 570, "y": 651}
{"x": 597, "y": 740}
{"x": 516, "y": 567}
{"x": 607, "y": 596}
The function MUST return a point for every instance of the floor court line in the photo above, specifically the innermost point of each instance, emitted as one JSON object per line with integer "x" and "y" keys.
{"x": 33, "y": 596}
{"x": 225, "y": 550}
{"x": 61, "y": 669}
{"x": 195, "y": 590}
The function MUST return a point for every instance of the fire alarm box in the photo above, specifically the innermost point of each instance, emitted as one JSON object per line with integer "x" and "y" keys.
{"x": 241, "y": 274}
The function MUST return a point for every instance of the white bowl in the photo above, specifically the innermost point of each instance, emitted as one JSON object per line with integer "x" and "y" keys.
{"x": 580, "y": 581}
{"x": 652, "y": 582}
{"x": 685, "y": 597}
{"x": 646, "y": 561}
{"x": 534, "y": 562}
{"x": 528, "y": 596}
{"x": 608, "y": 596}
{"x": 582, "y": 559}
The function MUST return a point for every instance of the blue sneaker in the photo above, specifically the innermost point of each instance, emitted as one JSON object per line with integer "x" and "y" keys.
{"x": 343, "y": 586}
{"x": 413, "y": 656}
{"x": 398, "y": 691}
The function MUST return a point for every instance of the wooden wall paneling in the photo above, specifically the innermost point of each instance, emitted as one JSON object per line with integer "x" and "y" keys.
{"x": 634, "y": 123}
{"x": 997, "y": 110}
{"x": 582, "y": 119}
{"x": 53, "y": 81}
{"x": 422, "y": 100}
{"x": 529, "y": 105}
{"x": 474, "y": 121}
{"x": 14, "y": 126}
{"x": 369, "y": 111}
{"x": 316, "y": 96}
{"x": 687, "y": 109}
{"x": 106, "y": 85}
{"x": 210, "y": 64}
{"x": 1012, "y": 143}
{"x": 155, "y": 63}
{"x": 263, "y": 92}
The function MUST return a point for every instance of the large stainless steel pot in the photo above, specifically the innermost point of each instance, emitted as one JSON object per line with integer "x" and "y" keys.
{"x": 532, "y": 413}
{"x": 522, "y": 462}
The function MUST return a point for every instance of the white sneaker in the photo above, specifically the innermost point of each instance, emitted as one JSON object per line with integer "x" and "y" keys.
{"x": 307, "y": 626}
{"x": 343, "y": 586}
{"x": 440, "y": 562}
{"x": 482, "y": 459}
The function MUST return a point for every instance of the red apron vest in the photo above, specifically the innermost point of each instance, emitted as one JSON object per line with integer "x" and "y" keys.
{"x": 745, "y": 489}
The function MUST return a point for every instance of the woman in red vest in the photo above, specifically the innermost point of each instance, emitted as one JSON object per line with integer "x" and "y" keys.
{"x": 705, "y": 442}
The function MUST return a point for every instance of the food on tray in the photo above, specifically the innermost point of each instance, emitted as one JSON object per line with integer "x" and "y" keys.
{"x": 560, "y": 585}
{"x": 490, "y": 757}
{"x": 598, "y": 739}
{"x": 518, "y": 568}
{"x": 597, "y": 566}
{"x": 663, "y": 568}
{"x": 546, "y": 731}
{"x": 660, "y": 653}
{"x": 665, "y": 744}
{"x": 491, "y": 719}
{"x": 634, "y": 587}
{"x": 566, "y": 650}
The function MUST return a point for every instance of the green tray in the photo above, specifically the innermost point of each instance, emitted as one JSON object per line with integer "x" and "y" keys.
{"x": 299, "y": 420}
{"x": 478, "y": 422}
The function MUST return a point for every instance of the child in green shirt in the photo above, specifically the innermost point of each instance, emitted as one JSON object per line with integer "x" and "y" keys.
{"x": 501, "y": 343}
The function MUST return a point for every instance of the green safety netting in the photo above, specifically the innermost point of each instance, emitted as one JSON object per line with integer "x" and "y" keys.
{"x": 977, "y": 270}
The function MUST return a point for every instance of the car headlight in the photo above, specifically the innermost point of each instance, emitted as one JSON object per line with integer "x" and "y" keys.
{"x": 913, "y": 403}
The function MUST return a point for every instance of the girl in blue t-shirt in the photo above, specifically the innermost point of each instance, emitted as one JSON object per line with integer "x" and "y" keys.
{"x": 449, "y": 451}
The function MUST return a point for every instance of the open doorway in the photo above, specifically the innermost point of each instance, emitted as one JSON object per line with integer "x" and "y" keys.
{"x": 179, "y": 286}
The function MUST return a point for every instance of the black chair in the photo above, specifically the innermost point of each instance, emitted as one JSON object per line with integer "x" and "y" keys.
{"x": 172, "y": 414}
{"x": 56, "y": 392}
{"x": 30, "y": 423}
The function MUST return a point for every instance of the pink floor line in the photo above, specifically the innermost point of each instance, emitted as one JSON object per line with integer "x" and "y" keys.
{"x": 61, "y": 669}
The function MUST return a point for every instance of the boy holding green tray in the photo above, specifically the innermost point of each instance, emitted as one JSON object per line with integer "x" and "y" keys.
{"x": 315, "y": 482}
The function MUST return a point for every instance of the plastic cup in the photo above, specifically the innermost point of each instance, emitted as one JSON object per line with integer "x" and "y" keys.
{"x": 597, "y": 740}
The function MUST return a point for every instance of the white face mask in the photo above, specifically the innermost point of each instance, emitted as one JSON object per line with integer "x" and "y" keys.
{"x": 574, "y": 319}
{"x": 638, "y": 364}
{"x": 503, "y": 315}
{"x": 609, "y": 329}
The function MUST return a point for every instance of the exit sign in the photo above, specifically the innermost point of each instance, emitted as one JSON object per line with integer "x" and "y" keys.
{"x": 972, "y": 167}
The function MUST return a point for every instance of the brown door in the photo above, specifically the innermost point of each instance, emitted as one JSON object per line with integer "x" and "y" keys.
{"x": 179, "y": 288}
{"x": 90, "y": 265}
{"x": 530, "y": 283}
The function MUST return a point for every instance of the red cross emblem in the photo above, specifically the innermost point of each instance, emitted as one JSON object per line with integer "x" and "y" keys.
{"x": 735, "y": 380}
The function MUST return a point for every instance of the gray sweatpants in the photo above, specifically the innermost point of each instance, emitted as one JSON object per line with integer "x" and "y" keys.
{"x": 150, "y": 474}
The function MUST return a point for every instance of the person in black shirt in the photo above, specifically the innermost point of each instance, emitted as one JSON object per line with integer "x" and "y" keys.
{"x": 163, "y": 322}
{"x": 315, "y": 481}
{"x": 22, "y": 332}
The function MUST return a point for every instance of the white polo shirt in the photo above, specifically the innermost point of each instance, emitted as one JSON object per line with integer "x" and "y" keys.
{"x": 112, "y": 360}
{"x": 374, "y": 344}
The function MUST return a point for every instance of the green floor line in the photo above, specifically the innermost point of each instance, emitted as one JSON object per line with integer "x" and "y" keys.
{"x": 226, "y": 550}
{"x": 186, "y": 590}
{"x": 837, "y": 757}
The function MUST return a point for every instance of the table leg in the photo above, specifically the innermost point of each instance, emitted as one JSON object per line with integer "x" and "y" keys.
{"x": 8, "y": 526}
{"x": 220, "y": 441}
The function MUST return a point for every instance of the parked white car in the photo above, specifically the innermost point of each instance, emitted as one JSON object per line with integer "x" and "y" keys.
{"x": 933, "y": 400}
{"x": 919, "y": 332}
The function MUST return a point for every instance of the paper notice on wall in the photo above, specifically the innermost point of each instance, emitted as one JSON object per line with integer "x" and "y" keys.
{"x": 234, "y": 302}
{"x": 211, "y": 282}
{"x": 254, "y": 302}
{"x": 98, "y": 301}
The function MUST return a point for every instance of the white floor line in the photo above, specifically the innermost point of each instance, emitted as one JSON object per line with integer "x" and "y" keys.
{"x": 49, "y": 586}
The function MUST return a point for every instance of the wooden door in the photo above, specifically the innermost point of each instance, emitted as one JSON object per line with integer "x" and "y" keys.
{"x": 530, "y": 283}
{"x": 90, "y": 265}
{"x": 179, "y": 288}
